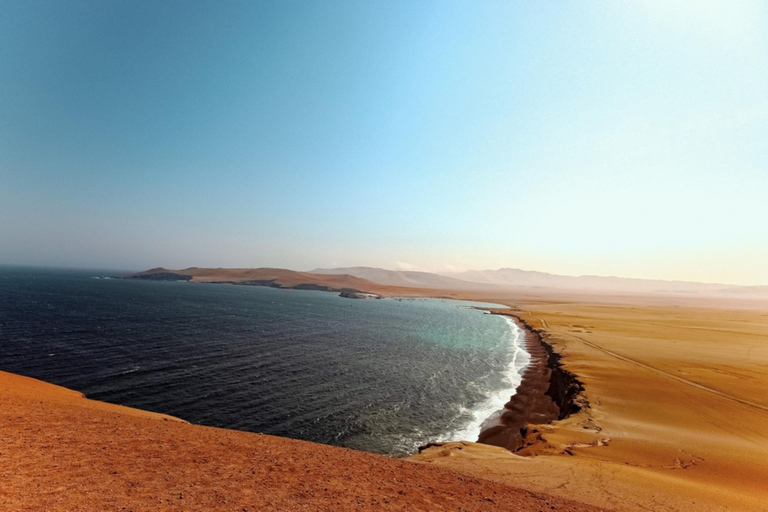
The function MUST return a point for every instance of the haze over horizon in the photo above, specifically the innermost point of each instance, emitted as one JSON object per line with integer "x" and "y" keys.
{"x": 592, "y": 139}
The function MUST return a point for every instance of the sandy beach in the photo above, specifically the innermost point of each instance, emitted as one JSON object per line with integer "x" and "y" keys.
{"x": 546, "y": 393}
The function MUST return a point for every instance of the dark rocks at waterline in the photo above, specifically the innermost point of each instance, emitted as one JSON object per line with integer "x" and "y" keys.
{"x": 548, "y": 392}
{"x": 358, "y": 295}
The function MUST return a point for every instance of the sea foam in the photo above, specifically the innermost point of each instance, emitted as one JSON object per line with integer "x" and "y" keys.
{"x": 493, "y": 406}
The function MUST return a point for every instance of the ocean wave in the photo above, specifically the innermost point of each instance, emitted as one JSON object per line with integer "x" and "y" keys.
{"x": 493, "y": 406}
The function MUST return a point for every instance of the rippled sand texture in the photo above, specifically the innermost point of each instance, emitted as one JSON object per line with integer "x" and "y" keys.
{"x": 678, "y": 408}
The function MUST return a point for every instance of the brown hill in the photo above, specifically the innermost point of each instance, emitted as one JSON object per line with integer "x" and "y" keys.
{"x": 277, "y": 277}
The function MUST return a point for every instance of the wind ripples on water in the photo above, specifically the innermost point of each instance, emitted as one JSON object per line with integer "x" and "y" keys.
{"x": 384, "y": 376}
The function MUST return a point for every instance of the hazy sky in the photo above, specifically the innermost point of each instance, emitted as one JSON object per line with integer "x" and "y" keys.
{"x": 622, "y": 138}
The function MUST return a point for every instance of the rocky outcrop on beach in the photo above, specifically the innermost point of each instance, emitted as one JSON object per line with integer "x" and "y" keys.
{"x": 359, "y": 295}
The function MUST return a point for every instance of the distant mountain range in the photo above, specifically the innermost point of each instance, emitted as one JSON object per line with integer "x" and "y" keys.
{"x": 407, "y": 278}
{"x": 516, "y": 278}
{"x": 369, "y": 279}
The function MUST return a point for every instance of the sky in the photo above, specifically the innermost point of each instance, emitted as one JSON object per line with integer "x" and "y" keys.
{"x": 610, "y": 138}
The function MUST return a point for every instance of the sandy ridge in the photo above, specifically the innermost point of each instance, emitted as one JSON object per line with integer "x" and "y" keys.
{"x": 63, "y": 452}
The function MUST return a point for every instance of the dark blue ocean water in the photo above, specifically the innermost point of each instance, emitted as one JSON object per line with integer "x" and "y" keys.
{"x": 384, "y": 376}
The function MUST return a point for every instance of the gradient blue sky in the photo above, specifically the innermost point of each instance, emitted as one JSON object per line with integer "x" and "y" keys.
{"x": 623, "y": 138}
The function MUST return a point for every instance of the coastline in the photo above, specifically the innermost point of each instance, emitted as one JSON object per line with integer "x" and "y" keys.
{"x": 565, "y": 388}
{"x": 546, "y": 393}
{"x": 479, "y": 394}
{"x": 671, "y": 412}
{"x": 487, "y": 412}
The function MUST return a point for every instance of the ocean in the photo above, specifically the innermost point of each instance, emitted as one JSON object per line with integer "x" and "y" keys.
{"x": 382, "y": 375}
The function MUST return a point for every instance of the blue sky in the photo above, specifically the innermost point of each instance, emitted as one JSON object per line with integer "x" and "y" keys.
{"x": 621, "y": 138}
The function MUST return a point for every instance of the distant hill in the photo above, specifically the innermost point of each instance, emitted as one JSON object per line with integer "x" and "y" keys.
{"x": 376, "y": 280}
{"x": 275, "y": 277}
{"x": 526, "y": 278}
{"x": 406, "y": 278}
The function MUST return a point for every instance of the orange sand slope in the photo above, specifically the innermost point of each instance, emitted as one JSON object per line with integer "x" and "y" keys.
{"x": 61, "y": 451}
{"x": 678, "y": 414}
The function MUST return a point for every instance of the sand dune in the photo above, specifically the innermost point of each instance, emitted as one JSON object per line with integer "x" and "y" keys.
{"x": 63, "y": 452}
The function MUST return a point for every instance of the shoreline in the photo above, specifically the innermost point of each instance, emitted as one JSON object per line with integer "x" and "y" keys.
{"x": 547, "y": 392}
{"x": 541, "y": 396}
{"x": 492, "y": 407}
{"x": 485, "y": 413}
